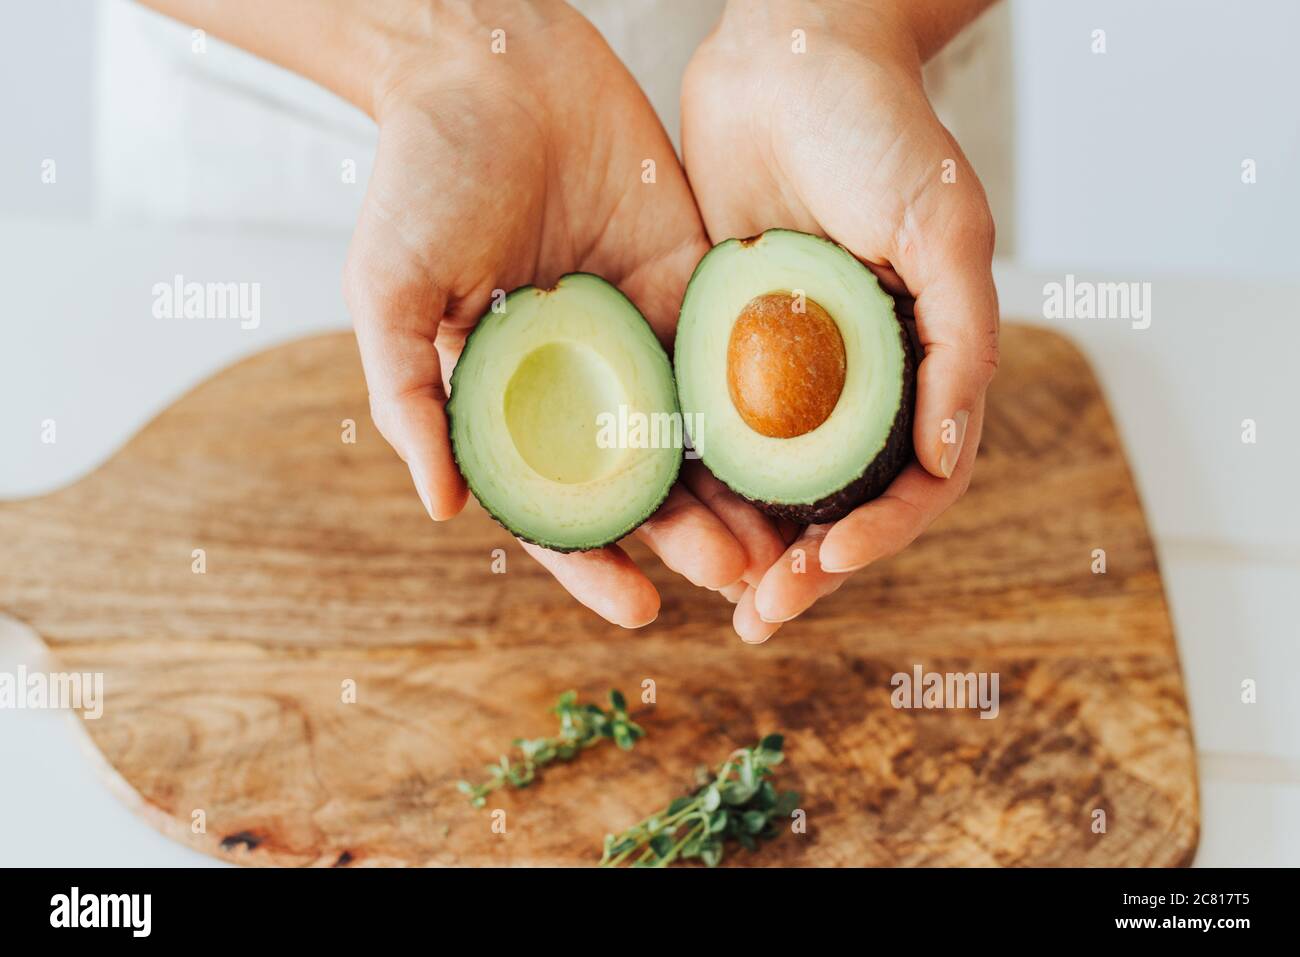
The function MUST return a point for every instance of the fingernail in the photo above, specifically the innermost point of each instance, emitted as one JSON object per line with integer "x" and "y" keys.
{"x": 952, "y": 450}
{"x": 423, "y": 492}
{"x": 644, "y": 624}
{"x": 771, "y": 621}
{"x": 842, "y": 571}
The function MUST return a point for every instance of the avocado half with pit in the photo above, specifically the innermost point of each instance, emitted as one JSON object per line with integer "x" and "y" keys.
{"x": 796, "y": 371}
{"x": 561, "y": 414}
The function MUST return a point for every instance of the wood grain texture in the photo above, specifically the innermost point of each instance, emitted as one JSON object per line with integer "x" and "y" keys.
{"x": 223, "y": 690}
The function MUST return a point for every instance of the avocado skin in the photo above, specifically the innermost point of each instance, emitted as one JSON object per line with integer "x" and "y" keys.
{"x": 880, "y": 471}
{"x": 450, "y": 411}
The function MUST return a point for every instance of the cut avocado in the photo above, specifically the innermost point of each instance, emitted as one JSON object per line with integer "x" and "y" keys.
{"x": 545, "y": 403}
{"x": 793, "y": 364}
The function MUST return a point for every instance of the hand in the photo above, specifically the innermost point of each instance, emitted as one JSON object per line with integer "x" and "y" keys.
{"x": 841, "y": 140}
{"x": 495, "y": 170}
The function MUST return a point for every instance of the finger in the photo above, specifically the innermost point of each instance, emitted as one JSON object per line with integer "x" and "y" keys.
{"x": 396, "y": 306}
{"x": 795, "y": 582}
{"x": 945, "y": 255}
{"x": 942, "y": 253}
{"x": 408, "y": 408}
{"x": 733, "y": 593}
{"x": 757, "y": 534}
{"x": 693, "y": 542}
{"x": 605, "y": 580}
{"x": 887, "y": 525}
{"x": 749, "y": 626}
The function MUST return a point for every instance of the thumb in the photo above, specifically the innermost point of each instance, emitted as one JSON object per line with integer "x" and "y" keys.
{"x": 404, "y": 377}
{"x": 398, "y": 295}
{"x": 949, "y": 267}
{"x": 939, "y": 243}
{"x": 397, "y": 305}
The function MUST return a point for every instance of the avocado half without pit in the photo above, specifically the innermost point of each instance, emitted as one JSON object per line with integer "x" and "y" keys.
{"x": 548, "y": 410}
{"x": 796, "y": 372}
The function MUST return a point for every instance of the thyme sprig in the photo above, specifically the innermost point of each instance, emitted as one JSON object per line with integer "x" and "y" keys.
{"x": 581, "y": 727}
{"x": 737, "y": 803}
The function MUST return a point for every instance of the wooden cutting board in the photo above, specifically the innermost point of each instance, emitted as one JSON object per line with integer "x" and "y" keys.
{"x": 224, "y": 689}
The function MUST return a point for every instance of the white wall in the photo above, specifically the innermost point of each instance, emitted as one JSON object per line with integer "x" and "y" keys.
{"x": 1131, "y": 160}
{"x": 46, "y": 108}
{"x": 1124, "y": 161}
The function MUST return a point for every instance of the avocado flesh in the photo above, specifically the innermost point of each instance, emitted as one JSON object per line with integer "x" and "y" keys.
{"x": 851, "y": 457}
{"x": 529, "y": 396}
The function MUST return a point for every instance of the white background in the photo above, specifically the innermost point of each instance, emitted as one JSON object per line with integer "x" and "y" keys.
{"x": 1122, "y": 166}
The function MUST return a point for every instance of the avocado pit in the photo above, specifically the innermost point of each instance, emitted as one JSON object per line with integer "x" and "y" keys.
{"x": 785, "y": 365}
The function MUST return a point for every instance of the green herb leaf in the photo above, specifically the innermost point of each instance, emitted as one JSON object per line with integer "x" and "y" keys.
{"x": 737, "y": 803}
{"x": 581, "y": 726}
{"x": 736, "y": 793}
{"x": 711, "y": 798}
{"x": 747, "y": 772}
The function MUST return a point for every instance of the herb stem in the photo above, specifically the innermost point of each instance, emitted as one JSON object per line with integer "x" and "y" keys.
{"x": 677, "y": 848}
{"x": 581, "y": 727}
